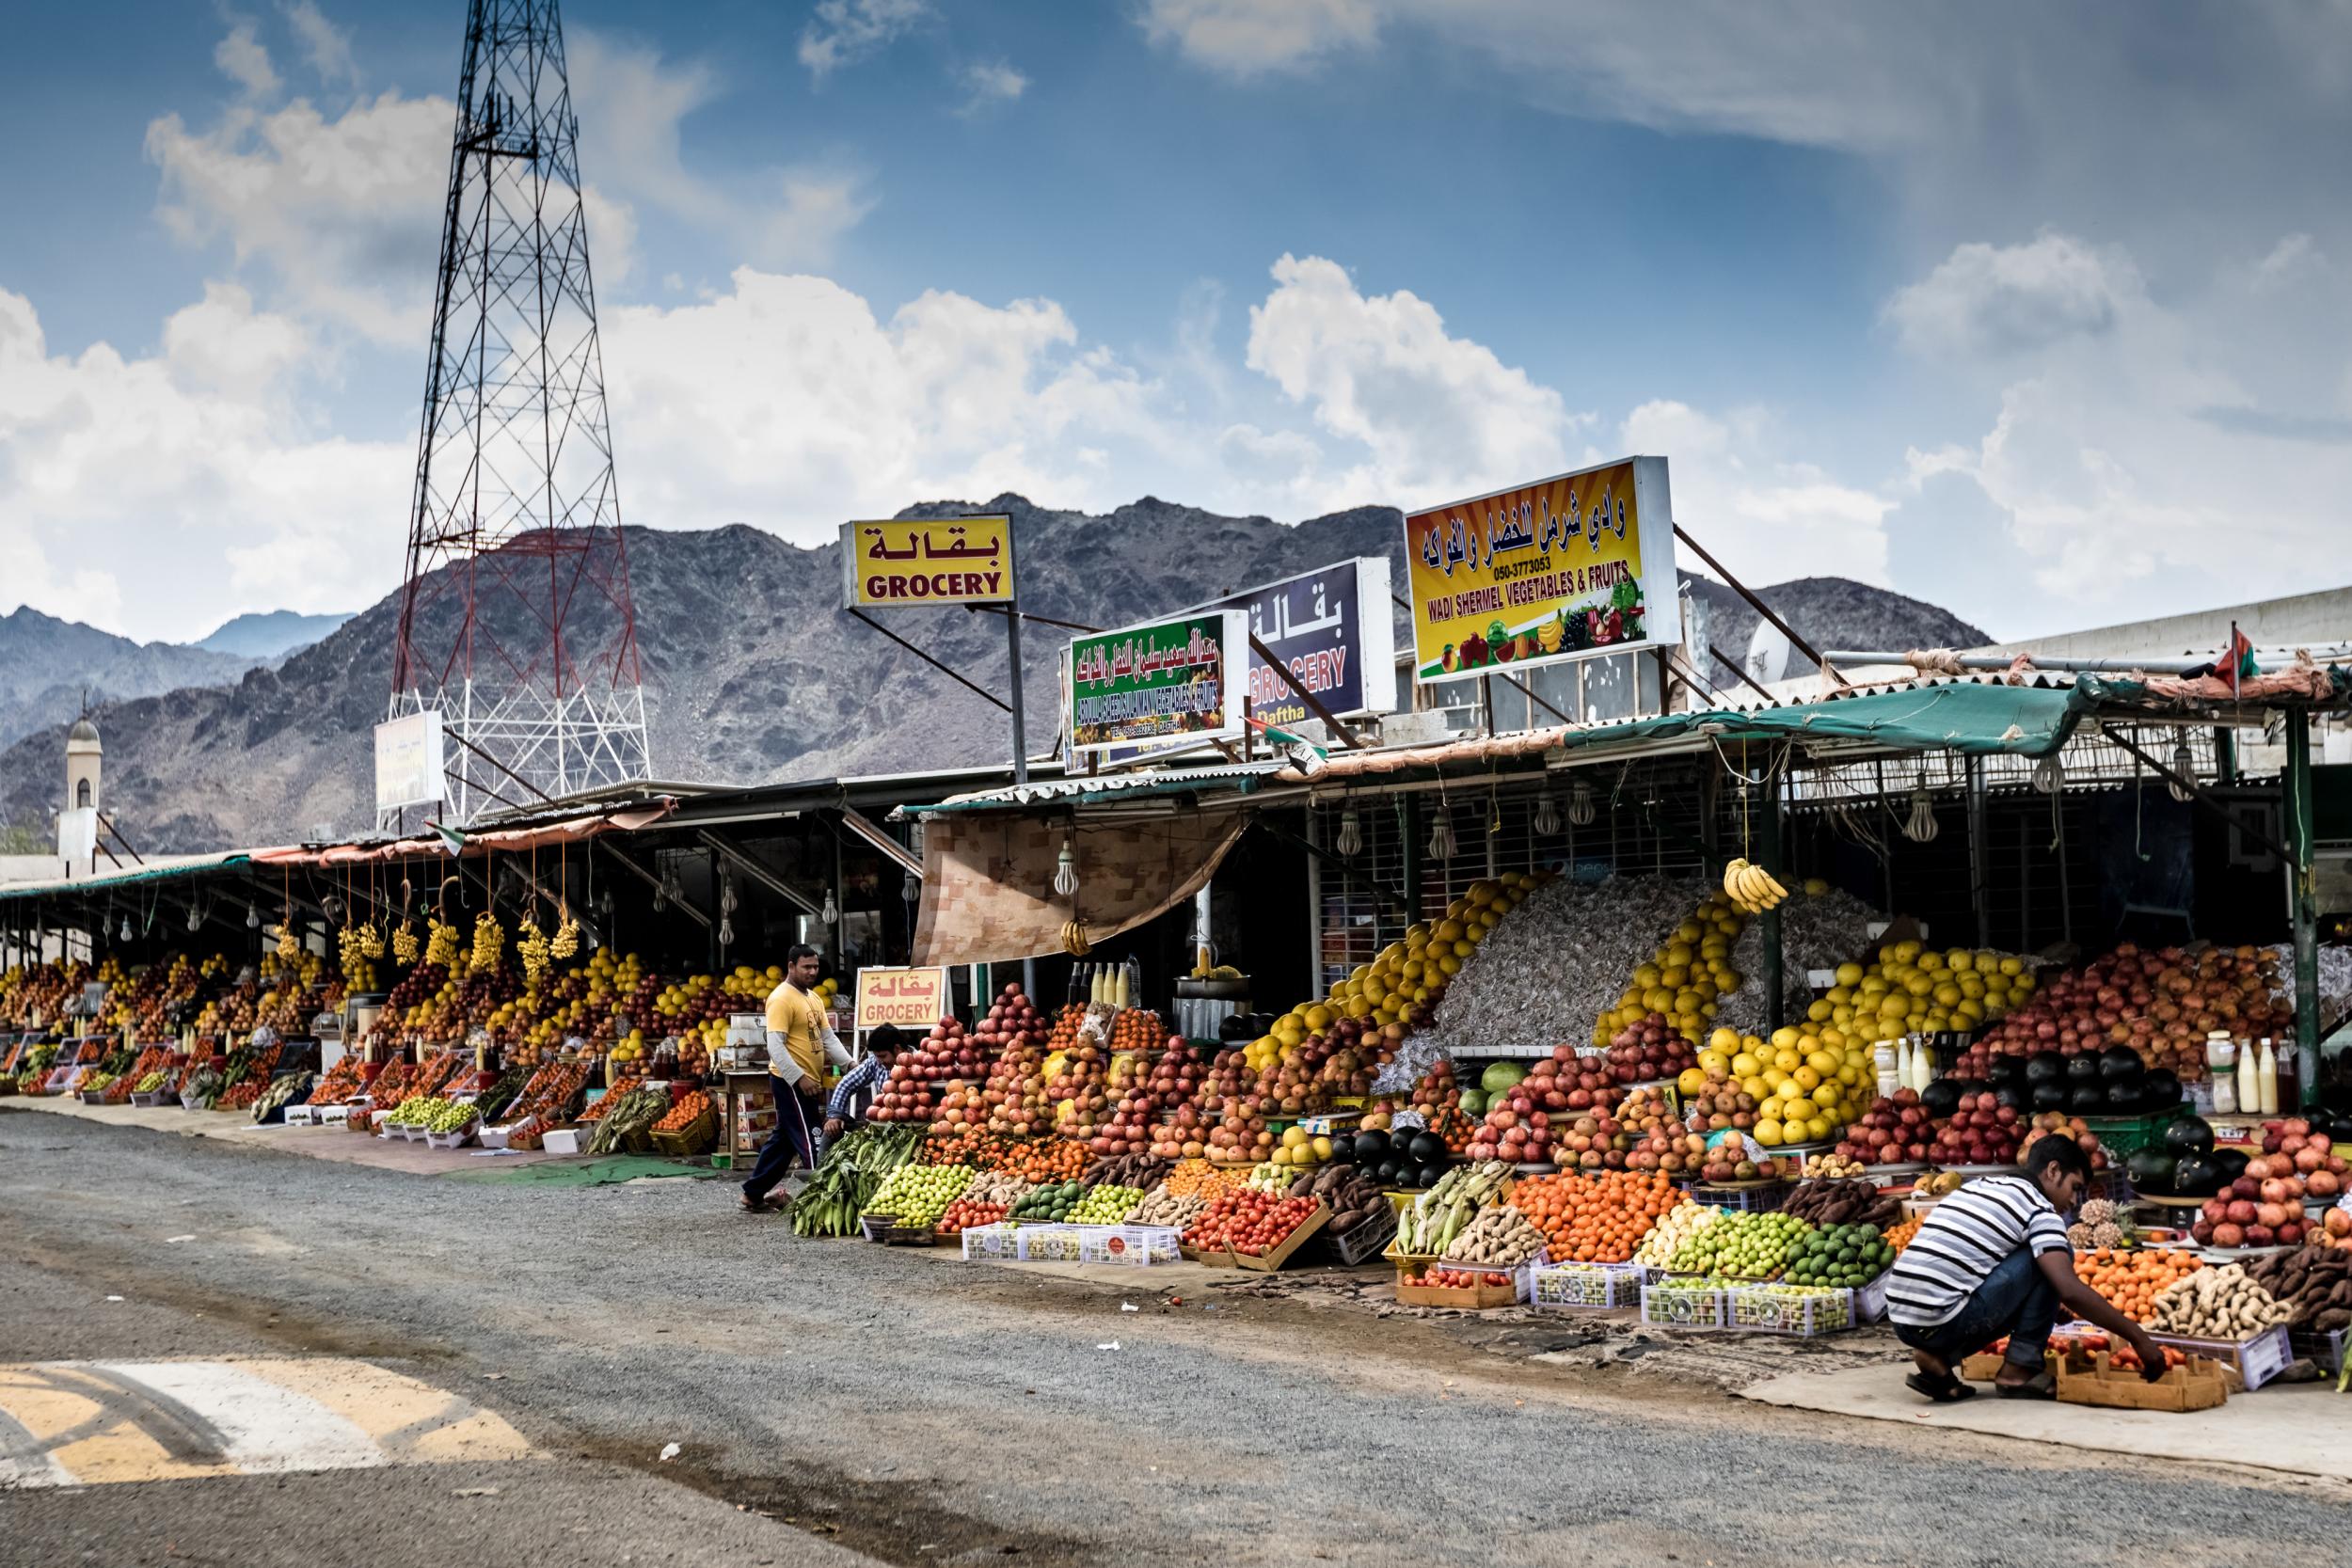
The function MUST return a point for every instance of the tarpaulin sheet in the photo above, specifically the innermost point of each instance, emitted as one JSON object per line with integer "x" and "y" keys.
{"x": 503, "y": 840}
{"x": 2014, "y": 719}
{"x": 987, "y": 882}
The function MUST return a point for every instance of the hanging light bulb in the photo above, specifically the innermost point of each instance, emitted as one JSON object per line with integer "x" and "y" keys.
{"x": 1066, "y": 868}
{"x": 195, "y": 918}
{"x": 2185, "y": 768}
{"x": 2049, "y": 774}
{"x": 912, "y": 889}
{"x": 125, "y": 932}
{"x": 252, "y": 918}
{"x": 1441, "y": 836}
{"x": 727, "y": 931}
{"x": 830, "y": 914}
{"x": 1351, "y": 841}
{"x": 1921, "y": 828}
{"x": 727, "y": 895}
{"x": 661, "y": 896}
{"x": 1547, "y": 816}
{"x": 1580, "y": 804}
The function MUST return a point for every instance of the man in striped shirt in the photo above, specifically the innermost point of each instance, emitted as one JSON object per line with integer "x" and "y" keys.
{"x": 1992, "y": 1260}
{"x": 854, "y": 1096}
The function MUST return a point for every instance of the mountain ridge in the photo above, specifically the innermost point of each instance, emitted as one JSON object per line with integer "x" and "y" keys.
{"x": 754, "y": 675}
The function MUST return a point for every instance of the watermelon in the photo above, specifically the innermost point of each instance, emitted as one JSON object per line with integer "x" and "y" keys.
{"x": 1474, "y": 1102}
{"x": 1502, "y": 1077}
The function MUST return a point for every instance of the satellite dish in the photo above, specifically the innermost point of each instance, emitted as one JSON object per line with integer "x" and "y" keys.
{"x": 1770, "y": 655}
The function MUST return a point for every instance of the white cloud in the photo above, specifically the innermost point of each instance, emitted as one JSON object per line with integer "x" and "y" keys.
{"x": 325, "y": 46}
{"x": 192, "y": 472}
{"x": 2295, "y": 258}
{"x": 2011, "y": 299}
{"x": 787, "y": 403}
{"x": 243, "y": 61}
{"x": 1765, "y": 516}
{"x": 1436, "y": 416}
{"x": 344, "y": 213}
{"x": 990, "y": 83}
{"x": 844, "y": 32}
{"x": 1249, "y": 38}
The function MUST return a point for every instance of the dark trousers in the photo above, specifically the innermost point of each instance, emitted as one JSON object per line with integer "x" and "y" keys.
{"x": 795, "y": 1138}
{"x": 2015, "y": 1299}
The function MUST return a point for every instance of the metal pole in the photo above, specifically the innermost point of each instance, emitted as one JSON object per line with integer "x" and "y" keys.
{"x": 1977, "y": 848}
{"x": 1020, "y": 750}
{"x": 2298, "y": 801}
{"x": 1775, "y": 983}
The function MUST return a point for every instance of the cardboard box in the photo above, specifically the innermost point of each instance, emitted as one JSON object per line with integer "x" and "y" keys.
{"x": 2091, "y": 1380}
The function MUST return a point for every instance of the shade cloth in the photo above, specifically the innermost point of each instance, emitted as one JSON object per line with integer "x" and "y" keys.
{"x": 987, "y": 882}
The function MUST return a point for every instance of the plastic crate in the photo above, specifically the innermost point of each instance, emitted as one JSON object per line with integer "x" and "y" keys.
{"x": 1132, "y": 1246}
{"x": 1367, "y": 1241}
{"x": 994, "y": 1244}
{"x": 1803, "y": 1311}
{"x": 2123, "y": 1136}
{"x": 1053, "y": 1243}
{"x": 1760, "y": 1199}
{"x": 1666, "y": 1305}
{"x": 2254, "y": 1362}
{"x": 1585, "y": 1287}
{"x": 2322, "y": 1350}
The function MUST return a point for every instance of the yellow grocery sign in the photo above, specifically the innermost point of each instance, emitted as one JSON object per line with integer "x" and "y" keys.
{"x": 926, "y": 561}
{"x": 1561, "y": 570}
{"x": 910, "y": 998}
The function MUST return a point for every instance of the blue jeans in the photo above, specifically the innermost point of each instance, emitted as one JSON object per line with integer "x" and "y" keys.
{"x": 2015, "y": 1299}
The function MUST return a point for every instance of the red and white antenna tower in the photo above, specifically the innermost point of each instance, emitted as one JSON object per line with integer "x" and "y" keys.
{"x": 516, "y": 623}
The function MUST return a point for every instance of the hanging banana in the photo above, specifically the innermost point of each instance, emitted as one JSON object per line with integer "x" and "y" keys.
{"x": 1750, "y": 888}
{"x": 1074, "y": 938}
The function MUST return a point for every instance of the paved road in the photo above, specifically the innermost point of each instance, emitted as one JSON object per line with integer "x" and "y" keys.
{"x": 921, "y": 1411}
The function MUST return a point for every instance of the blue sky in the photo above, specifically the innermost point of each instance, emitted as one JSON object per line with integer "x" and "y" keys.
{"x": 2045, "y": 322}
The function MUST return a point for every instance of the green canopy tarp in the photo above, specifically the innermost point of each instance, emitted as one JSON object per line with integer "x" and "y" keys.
{"x": 2018, "y": 721}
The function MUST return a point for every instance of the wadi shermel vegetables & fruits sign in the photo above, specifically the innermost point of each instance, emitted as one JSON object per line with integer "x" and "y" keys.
{"x": 1163, "y": 680}
{"x": 926, "y": 561}
{"x": 1561, "y": 570}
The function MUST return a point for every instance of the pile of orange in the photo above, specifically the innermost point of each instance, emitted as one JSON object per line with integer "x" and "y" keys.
{"x": 1898, "y": 1236}
{"x": 1200, "y": 1178}
{"x": 1599, "y": 1218}
{"x": 2132, "y": 1280}
{"x": 1046, "y": 1159}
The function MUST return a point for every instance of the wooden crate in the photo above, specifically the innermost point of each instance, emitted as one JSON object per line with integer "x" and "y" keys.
{"x": 696, "y": 1137}
{"x": 1479, "y": 1298}
{"x": 1288, "y": 1246}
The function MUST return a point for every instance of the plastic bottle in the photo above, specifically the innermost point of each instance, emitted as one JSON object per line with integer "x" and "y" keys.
{"x": 2268, "y": 1076}
{"x": 2249, "y": 1082}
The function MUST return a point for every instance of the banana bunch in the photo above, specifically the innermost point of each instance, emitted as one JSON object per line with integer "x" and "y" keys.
{"x": 440, "y": 946}
{"x": 489, "y": 938}
{"x": 1074, "y": 938}
{"x": 532, "y": 948}
{"x": 1750, "y": 888}
{"x": 405, "y": 942}
{"x": 566, "y": 939}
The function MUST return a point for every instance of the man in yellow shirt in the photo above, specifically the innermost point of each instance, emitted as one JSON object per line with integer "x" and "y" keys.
{"x": 799, "y": 1042}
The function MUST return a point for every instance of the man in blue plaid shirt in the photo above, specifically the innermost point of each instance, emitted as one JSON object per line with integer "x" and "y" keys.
{"x": 854, "y": 1095}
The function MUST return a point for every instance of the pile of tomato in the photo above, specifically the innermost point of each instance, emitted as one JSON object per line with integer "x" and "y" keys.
{"x": 1250, "y": 1222}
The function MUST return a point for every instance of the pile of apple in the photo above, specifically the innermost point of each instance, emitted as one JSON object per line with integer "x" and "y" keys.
{"x": 1717, "y": 1103}
{"x": 1897, "y": 1130}
{"x": 1650, "y": 1050}
{"x": 945, "y": 1060}
{"x": 1014, "y": 1032}
{"x": 2263, "y": 1207}
{"x": 1141, "y": 1094}
{"x": 1652, "y": 1137}
{"x": 1981, "y": 1132}
{"x": 2162, "y": 1003}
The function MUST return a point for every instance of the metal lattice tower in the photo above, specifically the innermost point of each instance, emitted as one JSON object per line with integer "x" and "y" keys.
{"x": 515, "y": 621}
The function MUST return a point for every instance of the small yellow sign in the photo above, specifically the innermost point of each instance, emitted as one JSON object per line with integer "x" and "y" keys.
{"x": 926, "y": 561}
{"x": 910, "y": 998}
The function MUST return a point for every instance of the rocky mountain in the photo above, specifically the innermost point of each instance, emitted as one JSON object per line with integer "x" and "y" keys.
{"x": 46, "y": 666}
{"x": 752, "y": 672}
{"x": 269, "y": 635}
{"x": 1829, "y": 612}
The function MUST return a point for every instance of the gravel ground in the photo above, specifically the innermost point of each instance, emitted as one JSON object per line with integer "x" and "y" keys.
{"x": 914, "y": 1402}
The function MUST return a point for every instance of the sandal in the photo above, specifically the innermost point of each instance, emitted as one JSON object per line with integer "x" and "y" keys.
{"x": 2042, "y": 1385}
{"x": 1947, "y": 1389}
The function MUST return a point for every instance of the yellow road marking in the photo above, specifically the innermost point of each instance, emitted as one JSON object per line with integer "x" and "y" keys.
{"x": 85, "y": 1422}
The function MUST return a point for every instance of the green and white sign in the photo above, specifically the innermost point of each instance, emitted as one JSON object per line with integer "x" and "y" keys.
{"x": 1179, "y": 679}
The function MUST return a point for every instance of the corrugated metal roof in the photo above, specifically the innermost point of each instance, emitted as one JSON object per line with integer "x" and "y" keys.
{"x": 158, "y": 868}
{"x": 1236, "y": 778}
